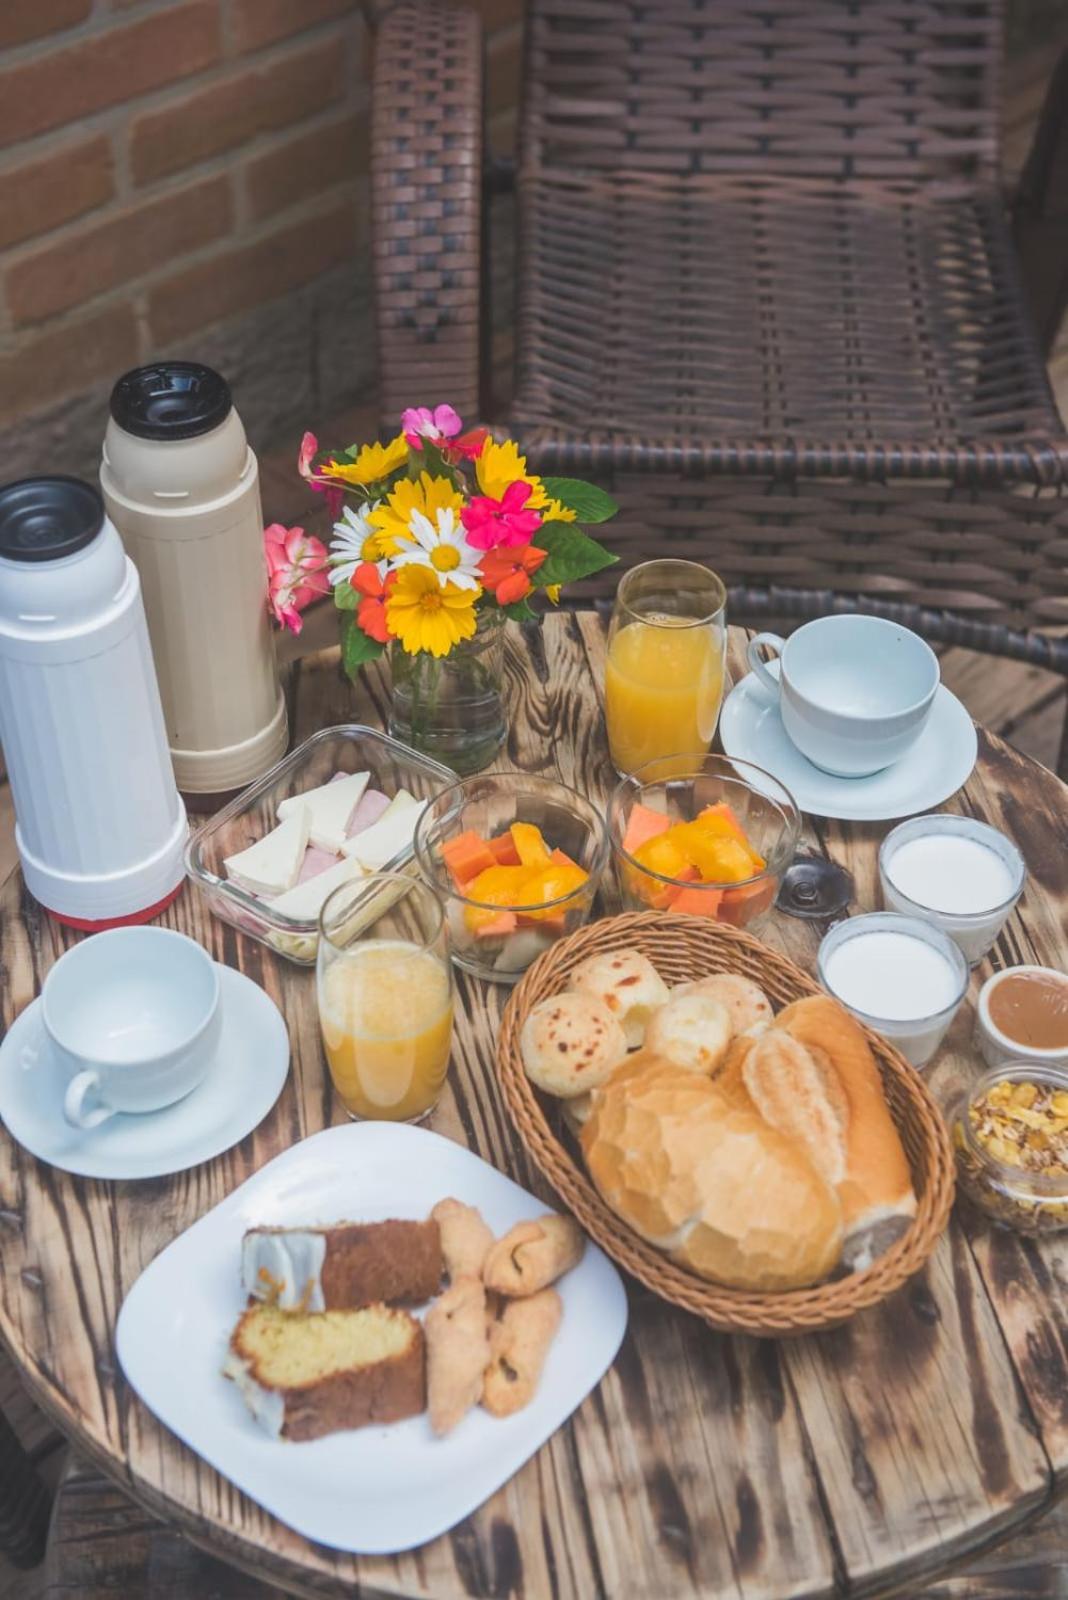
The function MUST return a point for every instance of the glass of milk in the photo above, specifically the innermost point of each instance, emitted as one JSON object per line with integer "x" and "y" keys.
{"x": 900, "y": 975}
{"x": 959, "y": 874}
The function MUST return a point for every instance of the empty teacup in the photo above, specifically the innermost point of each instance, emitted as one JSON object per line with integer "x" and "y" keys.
{"x": 133, "y": 1016}
{"x": 854, "y": 692}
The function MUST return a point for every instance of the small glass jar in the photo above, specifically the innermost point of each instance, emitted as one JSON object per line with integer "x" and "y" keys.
{"x": 973, "y": 932}
{"x": 984, "y": 1129}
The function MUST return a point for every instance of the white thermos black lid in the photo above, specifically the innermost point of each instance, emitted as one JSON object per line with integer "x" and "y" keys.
{"x": 170, "y": 400}
{"x": 47, "y": 519}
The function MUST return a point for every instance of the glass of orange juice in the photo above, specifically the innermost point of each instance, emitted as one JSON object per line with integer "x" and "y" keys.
{"x": 667, "y": 644}
{"x": 385, "y": 996}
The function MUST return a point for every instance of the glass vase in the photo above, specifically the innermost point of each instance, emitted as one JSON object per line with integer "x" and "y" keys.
{"x": 451, "y": 707}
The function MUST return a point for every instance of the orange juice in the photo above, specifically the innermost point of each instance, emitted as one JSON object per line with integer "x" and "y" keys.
{"x": 663, "y": 687}
{"x": 386, "y": 1014}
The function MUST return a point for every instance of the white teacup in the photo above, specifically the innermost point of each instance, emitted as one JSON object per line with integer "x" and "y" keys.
{"x": 133, "y": 1015}
{"x": 854, "y": 692}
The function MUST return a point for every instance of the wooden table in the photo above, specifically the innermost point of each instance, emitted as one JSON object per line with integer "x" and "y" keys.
{"x": 872, "y": 1457}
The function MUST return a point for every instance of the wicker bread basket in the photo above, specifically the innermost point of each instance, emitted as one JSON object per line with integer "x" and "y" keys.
{"x": 689, "y": 947}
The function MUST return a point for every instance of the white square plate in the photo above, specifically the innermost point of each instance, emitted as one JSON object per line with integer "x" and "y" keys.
{"x": 374, "y": 1490}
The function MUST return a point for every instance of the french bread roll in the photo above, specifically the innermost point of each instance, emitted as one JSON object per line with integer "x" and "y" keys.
{"x": 703, "y": 1177}
{"x": 875, "y": 1191}
{"x": 802, "y": 1097}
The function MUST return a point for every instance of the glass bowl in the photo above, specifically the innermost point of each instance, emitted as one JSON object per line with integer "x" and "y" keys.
{"x": 985, "y": 1130}
{"x": 682, "y": 787}
{"x": 349, "y": 747}
{"x": 499, "y": 941}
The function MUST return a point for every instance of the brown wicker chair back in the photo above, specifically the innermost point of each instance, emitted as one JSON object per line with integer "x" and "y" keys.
{"x": 902, "y": 90}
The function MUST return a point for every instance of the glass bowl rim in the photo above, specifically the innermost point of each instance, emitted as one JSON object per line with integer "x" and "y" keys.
{"x": 917, "y": 928}
{"x": 632, "y": 778}
{"x": 442, "y": 884}
{"x": 367, "y": 883}
{"x": 952, "y": 919}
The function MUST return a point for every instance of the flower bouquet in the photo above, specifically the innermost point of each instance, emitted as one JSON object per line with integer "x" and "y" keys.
{"x": 443, "y": 536}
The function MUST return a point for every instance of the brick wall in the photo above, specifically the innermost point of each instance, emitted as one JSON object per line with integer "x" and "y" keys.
{"x": 188, "y": 178}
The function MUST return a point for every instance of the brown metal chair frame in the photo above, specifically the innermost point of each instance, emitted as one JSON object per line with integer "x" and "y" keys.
{"x": 768, "y": 294}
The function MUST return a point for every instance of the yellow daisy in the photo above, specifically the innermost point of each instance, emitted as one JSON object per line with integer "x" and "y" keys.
{"x": 501, "y": 464}
{"x": 374, "y": 461}
{"x": 392, "y": 518}
{"x": 425, "y": 616}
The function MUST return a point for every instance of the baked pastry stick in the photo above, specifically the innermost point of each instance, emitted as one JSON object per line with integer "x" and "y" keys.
{"x": 519, "y": 1343}
{"x": 457, "y": 1351}
{"x": 532, "y": 1255}
{"x": 465, "y": 1238}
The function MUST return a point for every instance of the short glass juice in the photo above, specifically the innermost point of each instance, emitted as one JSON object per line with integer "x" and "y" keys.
{"x": 385, "y": 997}
{"x": 664, "y": 675}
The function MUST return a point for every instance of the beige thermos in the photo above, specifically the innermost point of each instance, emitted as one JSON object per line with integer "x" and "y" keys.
{"x": 182, "y": 487}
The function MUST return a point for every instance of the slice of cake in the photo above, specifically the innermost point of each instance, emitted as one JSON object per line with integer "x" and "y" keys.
{"x": 305, "y": 1376}
{"x": 341, "y": 1267}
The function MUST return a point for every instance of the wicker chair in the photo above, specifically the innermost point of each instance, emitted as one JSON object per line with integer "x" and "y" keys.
{"x": 767, "y": 295}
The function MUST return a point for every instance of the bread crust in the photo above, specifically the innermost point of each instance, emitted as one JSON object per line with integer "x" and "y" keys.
{"x": 387, "y": 1391}
{"x": 747, "y": 1004}
{"x": 457, "y": 1353}
{"x": 693, "y": 1031}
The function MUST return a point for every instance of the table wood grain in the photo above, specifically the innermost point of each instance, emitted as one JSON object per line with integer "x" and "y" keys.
{"x": 873, "y": 1457}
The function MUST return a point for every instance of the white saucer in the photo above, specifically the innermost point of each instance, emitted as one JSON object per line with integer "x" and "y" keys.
{"x": 938, "y": 764}
{"x": 252, "y": 1065}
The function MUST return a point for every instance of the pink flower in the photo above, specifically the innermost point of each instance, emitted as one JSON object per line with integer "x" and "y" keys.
{"x": 419, "y": 423}
{"x": 296, "y": 572}
{"x": 335, "y": 496}
{"x": 492, "y": 522}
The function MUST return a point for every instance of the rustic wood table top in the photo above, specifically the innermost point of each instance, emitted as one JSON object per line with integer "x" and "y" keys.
{"x": 872, "y": 1457}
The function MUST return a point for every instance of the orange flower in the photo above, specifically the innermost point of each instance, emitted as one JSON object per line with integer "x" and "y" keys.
{"x": 368, "y": 580}
{"x": 507, "y": 571}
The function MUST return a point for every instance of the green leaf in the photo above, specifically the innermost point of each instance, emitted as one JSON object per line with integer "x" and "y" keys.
{"x": 520, "y": 611}
{"x": 357, "y": 647}
{"x": 345, "y": 597}
{"x": 589, "y": 503}
{"x": 572, "y": 554}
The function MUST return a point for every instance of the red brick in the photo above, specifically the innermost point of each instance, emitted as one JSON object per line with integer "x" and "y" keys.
{"x": 39, "y": 195}
{"x": 226, "y": 114}
{"x": 127, "y": 60}
{"x": 236, "y": 280}
{"x": 100, "y": 257}
{"x": 21, "y": 20}
{"x": 66, "y": 360}
{"x": 259, "y": 22}
{"x": 307, "y": 164}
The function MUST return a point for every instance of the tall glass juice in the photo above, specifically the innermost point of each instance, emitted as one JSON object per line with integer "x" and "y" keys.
{"x": 664, "y": 673}
{"x": 385, "y": 997}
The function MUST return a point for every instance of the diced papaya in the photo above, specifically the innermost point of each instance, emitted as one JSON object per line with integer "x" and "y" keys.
{"x": 466, "y": 856}
{"x": 503, "y": 849}
{"x": 696, "y": 902}
{"x": 749, "y": 900}
{"x": 656, "y": 894}
{"x": 642, "y": 824}
{"x": 530, "y": 844}
{"x": 563, "y": 860}
{"x": 500, "y": 924}
{"x": 663, "y": 854}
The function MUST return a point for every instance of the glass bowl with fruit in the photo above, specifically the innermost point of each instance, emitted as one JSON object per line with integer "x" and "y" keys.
{"x": 706, "y": 836}
{"x": 517, "y": 861}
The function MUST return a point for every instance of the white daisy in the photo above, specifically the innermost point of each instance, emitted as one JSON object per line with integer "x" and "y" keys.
{"x": 442, "y": 547}
{"x": 355, "y": 542}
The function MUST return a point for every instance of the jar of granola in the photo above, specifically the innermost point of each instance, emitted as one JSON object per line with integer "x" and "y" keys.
{"x": 1011, "y": 1139}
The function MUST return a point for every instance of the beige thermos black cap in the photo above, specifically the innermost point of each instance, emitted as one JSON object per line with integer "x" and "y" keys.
{"x": 182, "y": 487}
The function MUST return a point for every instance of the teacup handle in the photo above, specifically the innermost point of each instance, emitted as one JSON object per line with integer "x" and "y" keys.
{"x": 769, "y": 641}
{"x": 74, "y": 1102}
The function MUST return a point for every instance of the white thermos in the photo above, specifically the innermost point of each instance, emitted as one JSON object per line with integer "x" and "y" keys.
{"x": 100, "y": 827}
{"x": 182, "y": 486}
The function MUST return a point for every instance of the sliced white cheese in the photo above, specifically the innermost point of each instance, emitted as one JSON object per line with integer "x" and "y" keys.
{"x": 305, "y": 900}
{"x": 272, "y": 865}
{"x": 373, "y": 847}
{"x": 329, "y": 808}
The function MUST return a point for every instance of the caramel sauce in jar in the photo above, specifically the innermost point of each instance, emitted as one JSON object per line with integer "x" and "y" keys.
{"x": 1031, "y": 1008}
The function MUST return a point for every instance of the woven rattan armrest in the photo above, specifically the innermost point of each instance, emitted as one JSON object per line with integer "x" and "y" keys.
{"x": 427, "y": 206}
{"x": 1040, "y": 212}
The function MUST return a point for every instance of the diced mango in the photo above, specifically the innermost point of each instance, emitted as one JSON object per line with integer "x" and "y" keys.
{"x": 552, "y": 884}
{"x": 642, "y": 824}
{"x": 663, "y": 854}
{"x": 718, "y": 859}
{"x": 500, "y": 886}
{"x": 530, "y": 844}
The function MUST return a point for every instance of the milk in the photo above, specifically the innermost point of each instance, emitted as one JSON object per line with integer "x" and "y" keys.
{"x": 958, "y": 874}
{"x": 897, "y": 973}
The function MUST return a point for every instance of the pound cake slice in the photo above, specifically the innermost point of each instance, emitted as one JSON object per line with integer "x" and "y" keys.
{"x": 305, "y": 1376}
{"x": 344, "y": 1266}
